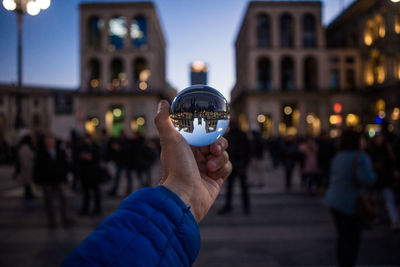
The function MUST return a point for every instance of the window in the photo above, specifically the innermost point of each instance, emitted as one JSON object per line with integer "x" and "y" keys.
{"x": 350, "y": 60}
{"x": 1, "y": 101}
{"x": 118, "y": 77}
{"x": 374, "y": 29}
{"x": 310, "y": 74}
{"x": 264, "y": 74}
{"x": 350, "y": 79}
{"x": 335, "y": 79}
{"x": 141, "y": 73}
{"x": 139, "y": 31}
{"x": 2, "y": 121}
{"x": 63, "y": 104}
{"x": 95, "y": 26}
{"x": 309, "y": 31}
{"x": 35, "y": 102}
{"x": 397, "y": 67}
{"x": 375, "y": 70}
{"x": 397, "y": 24}
{"x": 117, "y": 32}
{"x": 94, "y": 73}
{"x": 263, "y": 31}
{"x": 287, "y": 74}
{"x": 286, "y": 31}
{"x": 334, "y": 60}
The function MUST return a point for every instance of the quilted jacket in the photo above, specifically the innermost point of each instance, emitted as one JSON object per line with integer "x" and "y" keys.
{"x": 152, "y": 227}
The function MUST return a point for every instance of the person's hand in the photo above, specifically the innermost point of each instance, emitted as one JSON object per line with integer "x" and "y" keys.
{"x": 195, "y": 174}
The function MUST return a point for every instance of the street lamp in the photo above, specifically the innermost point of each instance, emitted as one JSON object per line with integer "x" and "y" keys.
{"x": 32, "y": 7}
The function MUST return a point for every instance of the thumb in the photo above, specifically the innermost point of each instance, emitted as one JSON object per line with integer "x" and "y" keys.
{"x": 163, "y": 122}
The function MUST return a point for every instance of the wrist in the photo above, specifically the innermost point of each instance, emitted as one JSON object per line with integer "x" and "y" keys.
{"x": 182, "y": 193}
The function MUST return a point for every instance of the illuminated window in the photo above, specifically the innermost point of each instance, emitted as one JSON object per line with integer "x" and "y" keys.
{"x": 380, "y": 26}
{"x": 117, "y": 32}
{"x": 375, "y": 70}
{"x": 309, "y": 31}
{"x": 368, "y": 33}
{"x": 335, "y": 79}
{"x": 139, "y": 31}
{"x": 397, "y": 24}
{"x": 95, "y": 25}
{"x": 286, "y": 31}
{"x": 310, "y": 74}
{"x": 141, "y": 73}
{"x": 263, "y": 31}
{"x": 264, "y": 74}
{"x": 118, "y": 77}
{"x": 94, "y": 73}
{"x": 287, "y": 74}
{"x": 397, "y": 67}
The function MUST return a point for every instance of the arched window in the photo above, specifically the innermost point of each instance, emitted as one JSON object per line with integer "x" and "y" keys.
{"x": 94, "y": 73}
{"x": 95, "y": 25}
{"x": 397, "y": 24}
{"x": 263, "y": 31}
{"x": 139, "y": 31}
{"x": 264, "y": 74}
{"x": 287, "y": 74}
{"x": 117, "y": 32}
{"x": 36, "y": 120}
{"x": 286, "y": 30}
{"x": 309, "y": 31}
{"x": 141, "y": 73}
{"x": 118, "y": 77}
{"x": 310, "y": 74}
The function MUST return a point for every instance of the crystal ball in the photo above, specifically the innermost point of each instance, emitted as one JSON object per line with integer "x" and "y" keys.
{"x": 201, "y": 114}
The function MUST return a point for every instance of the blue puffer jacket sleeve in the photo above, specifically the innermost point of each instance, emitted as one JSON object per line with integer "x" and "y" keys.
{"x": 152, "y": 227}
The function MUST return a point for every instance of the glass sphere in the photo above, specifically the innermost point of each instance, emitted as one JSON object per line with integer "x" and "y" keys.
{"x": 201, "y": 114}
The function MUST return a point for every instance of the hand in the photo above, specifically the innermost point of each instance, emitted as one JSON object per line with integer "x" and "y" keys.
{"x": 195, "y": 174}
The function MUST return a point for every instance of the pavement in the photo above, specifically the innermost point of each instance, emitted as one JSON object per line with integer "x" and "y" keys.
{"x": 284, "y": 229}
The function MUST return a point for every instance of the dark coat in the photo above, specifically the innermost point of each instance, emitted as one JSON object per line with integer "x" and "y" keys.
{"x": 89, "y": 168}
{"x": 49, "y": 170}
{"x": 142, "y": 156}
{"x": 239, "y": 148}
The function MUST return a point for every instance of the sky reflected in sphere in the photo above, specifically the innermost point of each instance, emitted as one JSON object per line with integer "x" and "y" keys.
{"x": 201, "y": 114}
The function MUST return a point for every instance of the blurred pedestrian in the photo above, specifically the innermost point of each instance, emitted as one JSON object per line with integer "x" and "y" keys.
{"x": 384, "y": 160}
{"x": 142, "y": 159}
{"x": 25, "y": 157}
{"x": 256, "y": 161}
{"x": 5, "y": 150}
{"x": 89, "y": 161}
{"x": 239, "y": 155}
{"x": 121, "y": 148}
{"x": 310, "y": 170}
{"x": 289, "y": 156}
{"x": 350, "y": 169}
{"x": 325, "y": 155}
{"x": 50, "y": 173}
{"x": 74, "y": 145}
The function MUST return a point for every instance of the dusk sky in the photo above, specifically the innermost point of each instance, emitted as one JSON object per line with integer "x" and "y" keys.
{"x": 194, "y": 29}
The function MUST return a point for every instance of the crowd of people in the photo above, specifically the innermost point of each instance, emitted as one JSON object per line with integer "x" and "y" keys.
{"x": 47, "y": 163}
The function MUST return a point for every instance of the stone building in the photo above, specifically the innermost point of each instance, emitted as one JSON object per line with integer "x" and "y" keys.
{"x": 290, "y": 80}
{"x": 122, "y": 67}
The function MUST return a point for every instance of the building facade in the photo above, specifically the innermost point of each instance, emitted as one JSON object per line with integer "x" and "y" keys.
{"x": 198, "y": 73}
{"x": 291, "y": 79}
{"x": 122, "y": 67}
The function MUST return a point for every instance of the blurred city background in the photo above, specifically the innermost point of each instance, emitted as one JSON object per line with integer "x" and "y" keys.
{"x": 79, "y": 87}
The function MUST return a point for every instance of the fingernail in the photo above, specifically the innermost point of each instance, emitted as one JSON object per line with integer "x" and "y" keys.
{"x": 161, "y": 104}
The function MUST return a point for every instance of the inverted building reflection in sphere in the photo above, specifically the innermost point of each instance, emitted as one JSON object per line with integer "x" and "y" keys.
{"x": 201, "y": 114}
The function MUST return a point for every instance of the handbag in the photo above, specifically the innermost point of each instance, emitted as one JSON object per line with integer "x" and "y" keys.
{"x": 366, "y": 204}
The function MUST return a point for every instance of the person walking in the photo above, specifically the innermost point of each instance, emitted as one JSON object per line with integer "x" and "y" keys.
{"x": 50, "y": 172}
{"x": 349, "y": 166}
{"x": 25, "y": 166}
{"x": 239, "y": 155}
{"x": 89, "y": 161}
{"x": 142, "y": 159}
{"x": 289, "y": 156}
{"x": 384, "y": 160}
{"x": 121, "y": 148}
{"x": 310, "y": 170}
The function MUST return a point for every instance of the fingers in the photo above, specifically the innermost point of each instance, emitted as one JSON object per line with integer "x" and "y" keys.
{"x": 214, "y": 163}
{"x": 163, "y": 122}
{"x": 222, "y": 173}
{"x": 219, "y": 146}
